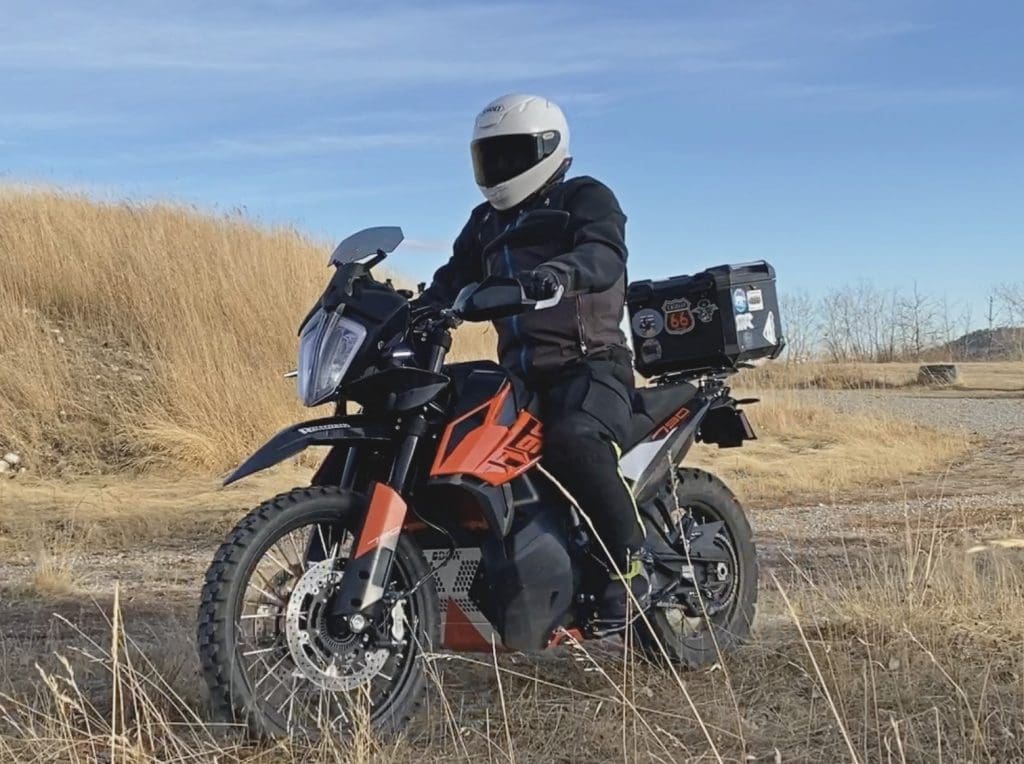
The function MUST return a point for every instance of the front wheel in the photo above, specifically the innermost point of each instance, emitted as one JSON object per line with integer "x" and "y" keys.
{"x": 711, "y": 610}
{"x": 266, "y": 653}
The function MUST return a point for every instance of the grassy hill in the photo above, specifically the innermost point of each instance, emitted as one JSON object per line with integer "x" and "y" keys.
{"x": 142, "y": 334}
{"x": 155, "y": 336}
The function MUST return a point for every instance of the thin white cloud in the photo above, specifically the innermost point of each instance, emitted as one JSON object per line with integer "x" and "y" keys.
{"x": 12, "y": 119}
{"x": 426, "y": 245}
{"x": 866, "y": 97}
{"x": 345, "y": 46}
{"x": 299, "y": 145}
{"x": 866, "y": 31}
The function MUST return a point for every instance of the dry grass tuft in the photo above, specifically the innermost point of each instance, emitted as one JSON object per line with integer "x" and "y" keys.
{"x": 54, "y": 575}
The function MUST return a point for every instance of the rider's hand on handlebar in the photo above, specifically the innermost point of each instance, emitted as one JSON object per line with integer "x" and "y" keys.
{"x": 426, "y": 314}
{"x": 541, "y": 283}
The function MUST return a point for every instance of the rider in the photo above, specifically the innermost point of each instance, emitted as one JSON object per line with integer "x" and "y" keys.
{"x": 573, "y": 355}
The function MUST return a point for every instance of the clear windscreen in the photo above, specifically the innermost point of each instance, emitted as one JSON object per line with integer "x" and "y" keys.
{"x": 366, "y": 243}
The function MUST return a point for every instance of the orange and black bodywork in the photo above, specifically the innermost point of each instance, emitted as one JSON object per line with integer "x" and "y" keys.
{"x": 493, "y": 442}
{"x": 492, "y": 438}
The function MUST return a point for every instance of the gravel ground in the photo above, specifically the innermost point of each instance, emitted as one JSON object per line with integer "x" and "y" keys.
{"x": 983, "y": 496}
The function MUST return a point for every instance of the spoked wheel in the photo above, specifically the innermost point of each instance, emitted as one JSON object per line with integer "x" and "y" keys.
{"x": 266, "y": 652}
{"x": 713, "y": 609}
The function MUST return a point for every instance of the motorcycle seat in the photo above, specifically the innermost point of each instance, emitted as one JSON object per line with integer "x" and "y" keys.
{"x": 653, "y": 405}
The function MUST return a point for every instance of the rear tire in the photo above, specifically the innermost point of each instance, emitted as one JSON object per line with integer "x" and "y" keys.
{"x": 706, "y": 639}
{"x": 220, "y": 633}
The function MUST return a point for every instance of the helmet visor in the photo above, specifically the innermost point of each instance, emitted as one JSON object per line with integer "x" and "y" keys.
{"x": 503, "y": 157}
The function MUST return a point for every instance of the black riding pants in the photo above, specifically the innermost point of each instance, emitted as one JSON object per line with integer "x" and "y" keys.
{"x": 586, "y": 409}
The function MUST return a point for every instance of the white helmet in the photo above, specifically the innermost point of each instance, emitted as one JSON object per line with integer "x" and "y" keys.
{"x": 520, "y": 143}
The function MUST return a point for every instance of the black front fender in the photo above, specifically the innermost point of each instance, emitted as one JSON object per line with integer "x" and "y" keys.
{"x": 330, "y": 431}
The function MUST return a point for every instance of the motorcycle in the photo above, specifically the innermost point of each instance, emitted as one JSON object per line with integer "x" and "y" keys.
{"x": 432, "y": 524}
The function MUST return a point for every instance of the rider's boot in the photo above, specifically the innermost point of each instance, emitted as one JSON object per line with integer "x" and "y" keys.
{"x": 627, "y": 595}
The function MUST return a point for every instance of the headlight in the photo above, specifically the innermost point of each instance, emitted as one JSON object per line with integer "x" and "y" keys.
{"x": 327, "y": 347}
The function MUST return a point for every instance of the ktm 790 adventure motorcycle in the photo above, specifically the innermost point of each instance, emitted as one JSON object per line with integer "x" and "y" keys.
{"x": 431, "y": 524}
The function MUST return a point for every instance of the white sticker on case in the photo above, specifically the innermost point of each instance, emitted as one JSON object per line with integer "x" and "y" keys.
{"x": 755, "y": 300}
{"x": 769, "y": 330}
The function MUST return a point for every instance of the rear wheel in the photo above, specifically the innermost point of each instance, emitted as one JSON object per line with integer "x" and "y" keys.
{"x": 266, "y": 653}
{"x": 712, "y": 609}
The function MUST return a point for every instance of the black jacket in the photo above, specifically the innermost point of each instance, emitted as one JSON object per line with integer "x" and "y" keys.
{"x": 591, "y": 256}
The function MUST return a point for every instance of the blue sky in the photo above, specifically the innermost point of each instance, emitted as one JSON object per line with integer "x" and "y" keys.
{"x": 839, "y": 140}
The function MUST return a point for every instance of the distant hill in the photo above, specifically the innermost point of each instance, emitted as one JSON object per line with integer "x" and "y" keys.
{"x": 1005, "y": 343}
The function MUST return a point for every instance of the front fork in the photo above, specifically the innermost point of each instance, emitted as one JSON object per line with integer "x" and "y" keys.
{"x": 368, "y": 570}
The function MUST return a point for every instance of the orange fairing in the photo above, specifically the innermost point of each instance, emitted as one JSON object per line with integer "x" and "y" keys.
{"x": 494, "y": 452}
{"x": 464, "y": 636}
{"x": 384, "y": 519}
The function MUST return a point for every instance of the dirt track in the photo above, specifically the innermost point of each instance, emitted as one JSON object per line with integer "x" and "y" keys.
{"x": 984, "y": 491}
{"x": 983, "y": 496}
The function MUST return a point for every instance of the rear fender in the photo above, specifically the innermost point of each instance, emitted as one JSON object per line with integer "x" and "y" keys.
{"x": 726, "y": 424}
{"x": 330, "y": 431}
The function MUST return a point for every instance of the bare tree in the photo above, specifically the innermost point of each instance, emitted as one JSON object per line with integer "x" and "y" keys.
{"x": 965, "y": 320}
{"x": 800, "y": 312}
{"x": 918, "y": 318}
{"x": 1009, "y": 300}
{"x": 857, "y": 323}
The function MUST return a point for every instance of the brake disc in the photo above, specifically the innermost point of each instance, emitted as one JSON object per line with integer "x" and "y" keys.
{"x": 331, "y": 663}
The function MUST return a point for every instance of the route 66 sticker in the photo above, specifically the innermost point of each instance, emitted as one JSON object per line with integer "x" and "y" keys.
{"x": 678, "y": 316}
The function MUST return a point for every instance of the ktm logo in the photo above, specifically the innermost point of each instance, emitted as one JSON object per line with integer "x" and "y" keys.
{"x": 671, "y": 423}
{"x": 521, "y": 451}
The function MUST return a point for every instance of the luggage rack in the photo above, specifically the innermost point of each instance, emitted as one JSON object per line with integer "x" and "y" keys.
{"x": 702, "y": 374}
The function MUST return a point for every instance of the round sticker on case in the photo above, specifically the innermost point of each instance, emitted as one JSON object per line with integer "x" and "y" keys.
{"x": 739, "y": 300}
{"x": 650, "y": 351}
{"x": 648, "y": 323}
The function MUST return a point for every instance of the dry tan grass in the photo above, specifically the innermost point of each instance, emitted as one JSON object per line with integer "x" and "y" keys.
{"x": 153, "y": 335}
{"x": 808, "y": 450}
{"x": 980, "y": 376}
{"x": 136, "y": 334}
{"x": 899, "y": 654}
{"x": 905, "y": 655}
{"x": 115, "y": 512}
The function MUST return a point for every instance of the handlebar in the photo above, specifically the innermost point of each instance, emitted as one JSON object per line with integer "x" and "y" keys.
{"x": 498, "y": 297}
